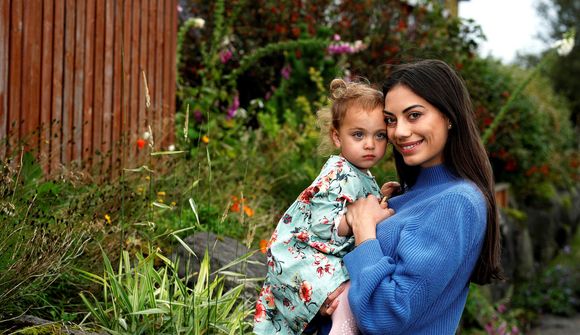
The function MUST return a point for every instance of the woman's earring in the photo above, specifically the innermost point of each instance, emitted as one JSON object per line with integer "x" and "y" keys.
{"x": 449, "y": 126}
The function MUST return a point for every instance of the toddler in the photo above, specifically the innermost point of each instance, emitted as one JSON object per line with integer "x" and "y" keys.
{"x": 306, "y": 249}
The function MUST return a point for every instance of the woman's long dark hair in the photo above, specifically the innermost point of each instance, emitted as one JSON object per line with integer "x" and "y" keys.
{"x": 464, "y": 153}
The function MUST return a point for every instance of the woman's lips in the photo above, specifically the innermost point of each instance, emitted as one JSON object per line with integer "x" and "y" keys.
{"x": 409, "y": 147}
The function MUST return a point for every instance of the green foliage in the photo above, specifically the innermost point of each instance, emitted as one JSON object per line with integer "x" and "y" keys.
{"x": 483, "y": 317}
{"x": 533, "y": 142}
{"x": 140, "y": 298}
{"x": 555, "y": 291}
{"x": 42, "y": 232}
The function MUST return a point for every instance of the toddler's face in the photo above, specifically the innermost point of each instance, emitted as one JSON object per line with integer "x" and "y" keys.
{"x": 362, "y": 137}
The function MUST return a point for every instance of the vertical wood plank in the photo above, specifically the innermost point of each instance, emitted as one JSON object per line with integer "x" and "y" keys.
{"x": 170, "y": 117}
{"x": 46, "y": 83}
{"x": 68, "y": 87}
{"x": 79, "y": 78}
{"x": 57, "y": 87}
{"x": 108, "y": 86}
{"x": 150, "y": 68}
{"x": 98, "y": 88}
{"x": 4, "y": 74}
{"x": 126, "y": 145}
{"x": 88, "y": 87}
{"x": 166, "y": 64}
{"x": 143, "y": 17}
{"x": 31, "y": 73}
{"x": 134, "y": 104}
{"x": 15, "y": 78}
{"x": 117, "y": 89}
{"x": 159, "y": 45}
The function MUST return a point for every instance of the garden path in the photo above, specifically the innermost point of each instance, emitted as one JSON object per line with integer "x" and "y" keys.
{"x": 557, "y": 325}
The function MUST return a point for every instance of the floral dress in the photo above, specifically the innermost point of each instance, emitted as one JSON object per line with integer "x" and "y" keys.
{"x": 305, "y": 252}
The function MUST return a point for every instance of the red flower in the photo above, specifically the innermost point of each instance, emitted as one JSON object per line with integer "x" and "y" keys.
{"x": 141, "y": 143}
{"x": 511, "y": 165}
{"x": 305, "y": 291}
{"x": 531, "y": 170}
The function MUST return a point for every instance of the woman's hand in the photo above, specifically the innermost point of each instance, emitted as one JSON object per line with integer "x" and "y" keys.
{"x": 331, "y": 302}
{"x": 363, "y": 216}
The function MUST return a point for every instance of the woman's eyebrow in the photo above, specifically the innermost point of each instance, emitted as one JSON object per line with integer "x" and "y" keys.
{"x": 406, "y": 109}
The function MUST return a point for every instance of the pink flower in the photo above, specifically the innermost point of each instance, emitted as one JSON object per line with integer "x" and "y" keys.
{"x": 225, "y": 56}
{"x": 233, "y": 109}
{"x": 501, "y": 308}
{"x": 286, "y": 71}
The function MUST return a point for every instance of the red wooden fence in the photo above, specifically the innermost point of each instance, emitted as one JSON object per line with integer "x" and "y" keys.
{"x": 71, "y": 79}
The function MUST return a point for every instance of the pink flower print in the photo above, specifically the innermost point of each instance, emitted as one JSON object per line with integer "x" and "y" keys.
{"x": 260, "y": 313}
{"x": 302, "y": 236}
{"x": 320, "y": 246}
{"x": 305, "y": 291}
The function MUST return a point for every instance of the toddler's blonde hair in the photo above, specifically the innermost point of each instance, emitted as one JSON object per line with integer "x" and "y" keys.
{"x": 343, "y": 96}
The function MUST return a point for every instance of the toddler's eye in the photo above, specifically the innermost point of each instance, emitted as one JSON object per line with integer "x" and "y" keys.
{"x": 382, "y": 136}
{"x": 357, "y": 134}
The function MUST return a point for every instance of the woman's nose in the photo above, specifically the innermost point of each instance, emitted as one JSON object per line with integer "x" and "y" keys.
{"x": 402, "y": 130}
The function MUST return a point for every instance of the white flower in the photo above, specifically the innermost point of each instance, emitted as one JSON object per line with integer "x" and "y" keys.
{"x": 565, "y": 45}
{"x": 171, "y": 148}
{"x": 198, "y": 22}
{"x": 146, "y": 135}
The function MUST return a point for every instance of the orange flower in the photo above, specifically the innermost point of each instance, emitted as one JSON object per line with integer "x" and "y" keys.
{"x": 263, "y": 246}
{"x": 235, "y": 207}
{"x": 141, "y": 143}
{"x": 249, "y": 212}
{"x": 205, "y": 139}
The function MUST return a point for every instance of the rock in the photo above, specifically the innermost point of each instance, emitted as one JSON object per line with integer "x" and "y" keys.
{"x": 222, "y": 250}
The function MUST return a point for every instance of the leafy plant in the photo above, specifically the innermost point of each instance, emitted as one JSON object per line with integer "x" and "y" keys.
{"x": 140, "y": 298}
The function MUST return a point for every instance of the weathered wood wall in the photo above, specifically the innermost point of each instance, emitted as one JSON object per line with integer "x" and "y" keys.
{"x": 71, "y": 79}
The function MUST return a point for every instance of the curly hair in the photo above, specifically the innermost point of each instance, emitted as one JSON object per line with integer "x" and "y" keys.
{"x": 343, "y": 96}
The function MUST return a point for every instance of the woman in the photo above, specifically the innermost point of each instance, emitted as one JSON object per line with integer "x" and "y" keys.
{"x": 410, "y": 273}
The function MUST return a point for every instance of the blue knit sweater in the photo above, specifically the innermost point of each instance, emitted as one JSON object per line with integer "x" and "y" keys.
{"x": 414, "y": 278}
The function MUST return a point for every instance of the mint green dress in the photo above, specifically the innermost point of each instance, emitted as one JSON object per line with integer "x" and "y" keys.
{"x": 305, "y": 252}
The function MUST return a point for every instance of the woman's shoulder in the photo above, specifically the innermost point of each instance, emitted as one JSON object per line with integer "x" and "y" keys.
{"x": 464, "y": 190}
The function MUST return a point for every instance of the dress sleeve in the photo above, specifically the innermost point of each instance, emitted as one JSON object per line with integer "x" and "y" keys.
{"x": 327, "y": 211}
{"x": 390, "y": 292}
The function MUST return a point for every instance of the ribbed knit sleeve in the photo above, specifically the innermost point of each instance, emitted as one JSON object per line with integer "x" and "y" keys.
{"x": 390, "y": 292}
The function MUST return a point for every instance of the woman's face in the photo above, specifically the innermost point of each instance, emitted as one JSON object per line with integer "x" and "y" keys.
{"x": 417, "y": 129}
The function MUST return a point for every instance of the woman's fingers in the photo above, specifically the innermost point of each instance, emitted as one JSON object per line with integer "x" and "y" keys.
{"x": 331, "y": 302}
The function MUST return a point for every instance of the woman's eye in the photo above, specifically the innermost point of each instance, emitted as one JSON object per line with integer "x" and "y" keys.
{"x": 389, "y": 120}
{"x": 414, "y": 115}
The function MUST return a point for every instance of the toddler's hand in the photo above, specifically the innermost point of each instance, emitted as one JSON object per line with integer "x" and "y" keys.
{"x": 388, "y": 189}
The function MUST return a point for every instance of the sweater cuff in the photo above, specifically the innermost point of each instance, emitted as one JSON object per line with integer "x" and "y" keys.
{"x": 366, "y": 254}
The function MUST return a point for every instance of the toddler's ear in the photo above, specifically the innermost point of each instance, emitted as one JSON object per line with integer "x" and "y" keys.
{"x": 335, "y": 138}
{"x": 389, "y": 188}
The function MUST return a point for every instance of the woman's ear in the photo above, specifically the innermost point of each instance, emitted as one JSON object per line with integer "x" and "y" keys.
{"x": 335, "y": 138}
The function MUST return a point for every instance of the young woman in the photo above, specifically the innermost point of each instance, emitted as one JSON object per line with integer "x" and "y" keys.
{"x": 410, "y": 273}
